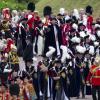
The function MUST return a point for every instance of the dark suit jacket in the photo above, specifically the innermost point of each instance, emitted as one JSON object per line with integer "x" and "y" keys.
{"x": 28, "y": 52}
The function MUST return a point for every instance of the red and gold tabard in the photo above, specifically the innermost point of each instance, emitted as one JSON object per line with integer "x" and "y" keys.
{"x": 94, "y": 75}
{"x": 28, "y": 91}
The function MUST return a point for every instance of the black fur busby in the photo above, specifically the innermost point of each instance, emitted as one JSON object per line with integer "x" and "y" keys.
{"x": 89, "y": 9}
{"x": 31, "y": 6}
{"x": 47, "y": 10}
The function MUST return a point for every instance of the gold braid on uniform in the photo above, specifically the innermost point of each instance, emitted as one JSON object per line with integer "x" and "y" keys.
{"x": 13, "y": 57}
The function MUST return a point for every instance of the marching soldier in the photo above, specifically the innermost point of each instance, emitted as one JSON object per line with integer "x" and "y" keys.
{"x": 94, "y": 78}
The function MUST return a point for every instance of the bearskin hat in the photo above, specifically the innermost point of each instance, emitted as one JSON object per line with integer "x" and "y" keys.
{"x": 47, "y": 10}
{"x": 31, "y": 6}
{"x": 89, "y": 9}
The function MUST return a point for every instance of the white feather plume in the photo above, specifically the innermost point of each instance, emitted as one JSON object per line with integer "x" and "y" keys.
{"x": 92, "y": 37}
{"x": 98, "y": 33}
{"x": 96, "y": 43}
{"x": 91, "y": 50}
{"x": 84, "y": 20}
{"x": 51, "y": 51}
{"x": 62, "y": 11}
{"x": 80, "y": 49}
{"x": 76, "y": 13}
{"x": 65, "y": 54}
{"x": 75, "y": 26}
{"x": 15, "y": 12}
{"x": 82, "y": 34}
{"x": 75, "y": 39}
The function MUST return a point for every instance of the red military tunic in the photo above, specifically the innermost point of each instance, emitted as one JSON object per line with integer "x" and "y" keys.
{"x": 89, "y": 23}
{"x": 65, "y": 32}
{"x": 30, "y": 20}
{"x": 94, "y": 76}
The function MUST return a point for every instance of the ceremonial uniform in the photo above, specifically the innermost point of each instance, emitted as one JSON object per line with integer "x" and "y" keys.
{"x": 28, "y": 52}
{"x": 60, "y": 82}
{"x": 89, "y": 23}
{"x": 53, "y": 38}
{"x": 94, "y": 79}
{"x": 28, "y": 91}
{"x": 13, "y": 59}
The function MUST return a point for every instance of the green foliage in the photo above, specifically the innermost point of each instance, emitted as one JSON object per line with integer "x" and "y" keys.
{"x": 69, "y": 5}
{"x": 15, "y": 4}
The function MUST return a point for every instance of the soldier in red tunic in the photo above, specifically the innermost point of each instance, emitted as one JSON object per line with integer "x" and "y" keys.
{"x": 94, "y": 78}
{"x": 89, "y": 11}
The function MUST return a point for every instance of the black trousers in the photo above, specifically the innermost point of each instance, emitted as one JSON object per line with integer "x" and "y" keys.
{"x": 81, "y": 88}
{"x": 36, "y": 86}
{"x": 96, "y": 90}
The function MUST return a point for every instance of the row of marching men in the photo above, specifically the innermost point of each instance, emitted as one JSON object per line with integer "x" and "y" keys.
{"x": 68, "y": 72}
{"x": 49, "y": 75}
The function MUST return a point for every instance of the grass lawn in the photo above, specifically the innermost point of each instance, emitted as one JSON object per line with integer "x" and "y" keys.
{"x": 69, "y": 5}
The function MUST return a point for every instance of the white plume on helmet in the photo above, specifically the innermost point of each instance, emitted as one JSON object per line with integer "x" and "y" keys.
{"x": 75, "y": 39}
{"x": 82, "y": 34}
{"x": 80, "y": 49}
{"x": 50, "y": 52}
{"x": 96, "y": 43}
{"x": 64, "y": 53}
{"x": 92, "y": 37}
{"x": 84, "y": 20}
{"x": 98, "y": 33}
{"x": 91, "y": 50}
{"x": 14, "y": 11}
{"x": 75, "y": 26}
{"x": 76, "y": 13}
{"x": 62, "y": 11}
